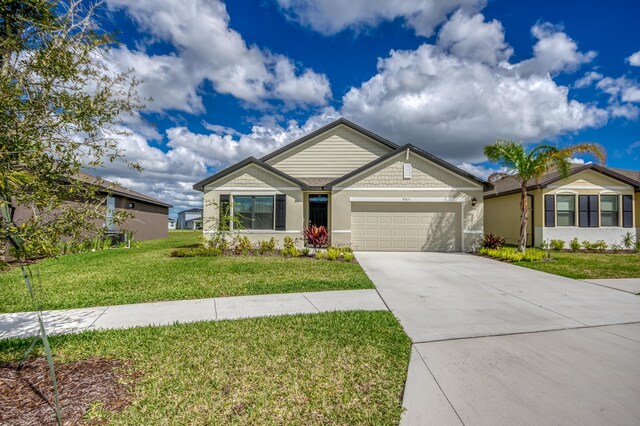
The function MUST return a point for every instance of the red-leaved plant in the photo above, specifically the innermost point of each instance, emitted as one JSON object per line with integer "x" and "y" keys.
{"x": 317, "y": 236}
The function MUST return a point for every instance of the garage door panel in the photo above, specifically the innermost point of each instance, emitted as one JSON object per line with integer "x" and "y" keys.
{"x": 406, "y": 226}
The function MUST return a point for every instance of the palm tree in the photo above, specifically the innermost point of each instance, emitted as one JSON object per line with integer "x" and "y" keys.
{"x": 527, "y": 167}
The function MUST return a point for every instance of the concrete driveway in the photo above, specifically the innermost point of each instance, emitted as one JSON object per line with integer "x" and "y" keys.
{"x": 499, "y": 344}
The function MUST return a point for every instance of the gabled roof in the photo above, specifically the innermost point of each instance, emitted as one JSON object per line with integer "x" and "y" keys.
{"x": 417, "y": 151}
{"x": 192, "y": 210}
{"x": 509, "y": 185}
{"x": 116, "y": 189}
{"x": 251, "y": 160}
{"x": 327, "y": 183}
{"x": 323, "y": 129}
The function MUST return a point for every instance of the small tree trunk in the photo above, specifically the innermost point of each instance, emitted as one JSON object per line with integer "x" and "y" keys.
{"x": 522, "y": 242}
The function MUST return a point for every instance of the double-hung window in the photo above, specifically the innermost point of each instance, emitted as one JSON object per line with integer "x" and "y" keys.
{"x": 254, "y": 211}
{"x": 566, "y": 210}
{"x": 609, "y": 210}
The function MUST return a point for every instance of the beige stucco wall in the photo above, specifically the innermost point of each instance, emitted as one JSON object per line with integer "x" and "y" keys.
{"x": 502, "y": 214}
{"x": 587, "y": 183}
{"x": 331, "y": 154}
{"x": 429, "y": 183}
{"x": 254, "y": 180}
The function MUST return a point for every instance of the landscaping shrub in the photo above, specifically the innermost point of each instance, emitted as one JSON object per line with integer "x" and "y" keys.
{"x": 628, "y": 240}
{"x": 289, "y": 243}
{"x": 575, "y": 244}
{"x": 242, "y": 245}
{"x": 636, "y": 247}
{"x": 265, "y": 246}
{"x": 196, "y": 252}
{"x": 510, "y": 254}
{"x": 599, "y": 245}
{"x": 587, "y": 245}
{"x": 4, "y": 266}
{"x": 615, "y": 248}
{"x": 492, "y": 241}
{"x": 290, "y": 251}
{"x": 306, "y": 251}
{"x": 320, "y": 254}
{"x": 333, "y": 253}
{"x": 348, "y": 256}
{"x": 317, "y": 236}
{"x": 556, "y": 245}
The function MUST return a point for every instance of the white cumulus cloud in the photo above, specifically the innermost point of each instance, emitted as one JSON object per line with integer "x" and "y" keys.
{"x": 634, "y": 59}
{"x": 332, "y": 16}
{"x": 452, "y": 100}
{"x": 208, "y": 50}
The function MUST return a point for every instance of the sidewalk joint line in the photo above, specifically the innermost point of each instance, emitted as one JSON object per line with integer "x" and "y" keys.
{"x": 311, "y": 303}
{"x": 438, "y": 383}
{"x": 97, "y": 318}
{"x": 526, "y": 332}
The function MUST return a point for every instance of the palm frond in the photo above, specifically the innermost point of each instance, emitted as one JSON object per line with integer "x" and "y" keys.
{"x": 594, "y": 149}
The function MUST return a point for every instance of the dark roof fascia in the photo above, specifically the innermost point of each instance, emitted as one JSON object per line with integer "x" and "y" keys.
{"x": 326, "y": 128}
{"x": 602, "y": 169}
{"x": 415, "y": 150}
{"x": 143, "y": 198}
{"x": 247, "y": 161}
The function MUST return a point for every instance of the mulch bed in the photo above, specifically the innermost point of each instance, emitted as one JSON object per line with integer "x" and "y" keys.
{"x": 26, "y": 395}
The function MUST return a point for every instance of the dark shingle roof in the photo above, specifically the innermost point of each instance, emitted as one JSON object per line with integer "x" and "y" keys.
{"x": 509, "y": 185}
{"x": 117, "y": 189}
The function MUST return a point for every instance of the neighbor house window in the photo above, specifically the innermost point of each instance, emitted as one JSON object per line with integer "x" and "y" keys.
{"x": 110, "y": 213}
{"x": 566, "y": 208}
{"x": 627, "y": 211}
{"x": 588, "y": 205}
{"x": 254, "y": 212}
{"x": 609, "y": 210}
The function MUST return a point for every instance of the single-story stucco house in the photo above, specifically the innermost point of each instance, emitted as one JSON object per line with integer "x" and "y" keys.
{"x": 369, "y": 192}
{"x": 593, "y": 203}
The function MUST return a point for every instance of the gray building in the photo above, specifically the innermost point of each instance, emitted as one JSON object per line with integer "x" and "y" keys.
{"x": 190, "y": 219}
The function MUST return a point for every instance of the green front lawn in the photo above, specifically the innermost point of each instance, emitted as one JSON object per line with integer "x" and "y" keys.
{"x": 331, "y": 368}
{"x": 148, "y": 273}
{"x": 589, "y": 265}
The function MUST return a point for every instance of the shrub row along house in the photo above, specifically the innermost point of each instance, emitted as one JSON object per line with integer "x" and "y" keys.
{"x": 594, "y": 203}
{"x": 371, "y": 193}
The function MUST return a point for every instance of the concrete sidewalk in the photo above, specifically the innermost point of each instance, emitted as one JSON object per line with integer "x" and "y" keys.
{"x": 23, "y": 324}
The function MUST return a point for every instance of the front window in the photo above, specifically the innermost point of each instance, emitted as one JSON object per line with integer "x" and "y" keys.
{"x": 609, "y": 210}
{"x": 566, "y": 208}
{"x": 254, "y": 212}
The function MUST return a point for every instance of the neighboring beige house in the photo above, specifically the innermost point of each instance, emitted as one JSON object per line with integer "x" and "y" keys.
{"x": 371, "y": 194}
{"x": 594, "y": 203}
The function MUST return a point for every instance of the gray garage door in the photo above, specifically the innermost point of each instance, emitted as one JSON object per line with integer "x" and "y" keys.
{"x": 405, "y": 226}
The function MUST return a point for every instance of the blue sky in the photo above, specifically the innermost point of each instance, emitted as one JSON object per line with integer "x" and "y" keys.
{"x": 243, "y": 78}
